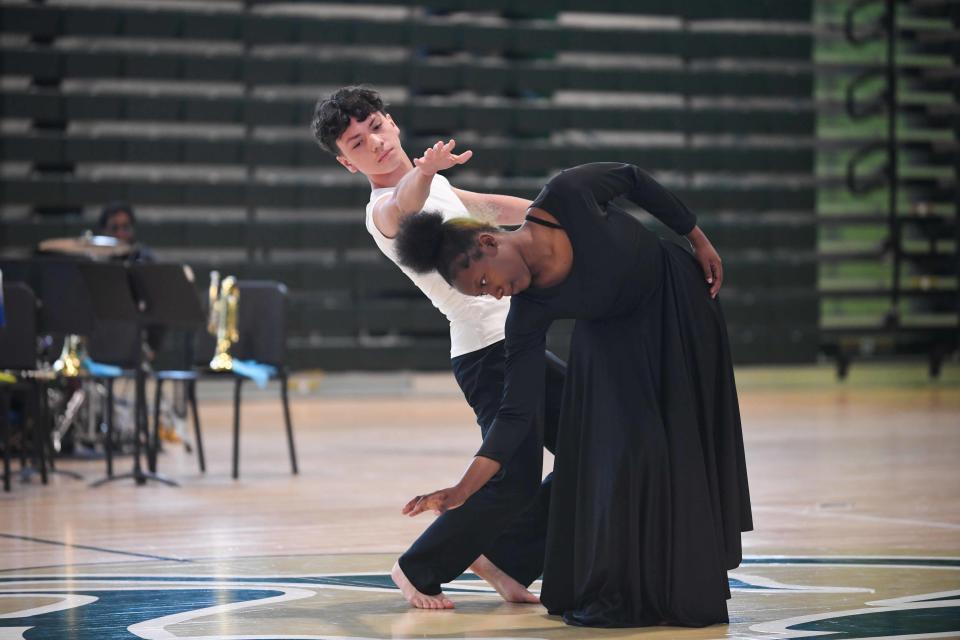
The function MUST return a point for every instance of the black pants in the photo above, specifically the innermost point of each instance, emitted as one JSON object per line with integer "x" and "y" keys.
{"x": 506, "y": 520}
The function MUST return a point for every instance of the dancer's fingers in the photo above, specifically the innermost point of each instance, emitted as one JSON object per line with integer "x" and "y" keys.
{"x": 707, "y": 266}
{"x": 717, "y": 269}
{"x": 463, "y": 157}
{"x": 407, "y": 508}
{"x": 417, "y": 508}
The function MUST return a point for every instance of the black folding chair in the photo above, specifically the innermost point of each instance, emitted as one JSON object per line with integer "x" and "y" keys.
{"x": 18, "y": 356}
{"x": 262, "y": 325}
{"x": 172, "y": 309}
{"x": 117, "y": 339}
{"x": 116, "y": 344}
{"x": 177, "y": 364}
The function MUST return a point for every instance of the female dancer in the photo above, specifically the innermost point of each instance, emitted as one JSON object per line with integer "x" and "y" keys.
{"x": 650, "y": 487}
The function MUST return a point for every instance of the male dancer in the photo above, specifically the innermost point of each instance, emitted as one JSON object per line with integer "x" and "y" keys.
{"x": 499, "y": 532}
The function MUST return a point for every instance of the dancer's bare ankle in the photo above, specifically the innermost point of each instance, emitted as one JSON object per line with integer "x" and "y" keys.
{"x": 415, "y": 597}
{"x": 508, "y": 588}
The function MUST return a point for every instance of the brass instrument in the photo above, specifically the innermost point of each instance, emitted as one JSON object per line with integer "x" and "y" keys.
{"x": 222, "y": 321}
{"x": 213, "y": 294}
{"x": 88, "y": 246}
{"x": 70, "y": 363}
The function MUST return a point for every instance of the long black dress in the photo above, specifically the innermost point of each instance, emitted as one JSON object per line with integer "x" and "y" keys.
{"x": 650, "y": 487}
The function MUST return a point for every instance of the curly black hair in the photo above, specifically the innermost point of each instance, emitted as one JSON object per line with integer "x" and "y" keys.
{"x": 331, "y": 116}
{"x": 427, "y": 243}
{"x": 112, "y": 209}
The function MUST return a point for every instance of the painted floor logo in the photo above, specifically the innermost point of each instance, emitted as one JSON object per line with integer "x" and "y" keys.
{"x": 832, "y": 598}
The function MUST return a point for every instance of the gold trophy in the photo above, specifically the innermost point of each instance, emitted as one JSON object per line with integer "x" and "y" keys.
{"x": 222, "y": 322}
{"x": 70, "y": 363}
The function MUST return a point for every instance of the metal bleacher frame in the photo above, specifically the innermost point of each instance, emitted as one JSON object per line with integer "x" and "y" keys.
{"x": 729, "y": 127}
{"x": 902, "y": 177}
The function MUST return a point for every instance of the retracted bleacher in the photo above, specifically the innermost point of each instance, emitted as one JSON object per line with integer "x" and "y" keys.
{"x": 890, "y": 157}
{"x": 197, "y": 113}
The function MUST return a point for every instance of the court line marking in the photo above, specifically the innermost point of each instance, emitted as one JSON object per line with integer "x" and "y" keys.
{"x": 105, "y": 563}
{"x": 955, "y": 593}
{"x": 147, "y": 585}
{"x": 69, "y": 601}
{"x": 781, "y": 628}
{"x": 806, "y": 511}
{"x": 13, "y": 633}
{"x": 778, "y": 587}
{"x": 91, "y": 548}
{"x": 468, "y": 587}
{"x": 154, "y": 629}
{"x": 869, "y": 561}
{"x": 202, "y": 560}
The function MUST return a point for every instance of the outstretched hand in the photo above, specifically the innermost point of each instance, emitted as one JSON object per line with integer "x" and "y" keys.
{"x": 438, "y": 502}
{"x": 441, "y": 156}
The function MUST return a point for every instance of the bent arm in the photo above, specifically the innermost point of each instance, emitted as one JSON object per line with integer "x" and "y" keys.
{"x": 604, "y": 181}
{"x": 523, "y": 387}
{"x": 521, "y": 397}
{"x": 494, "y": 208}
{"x": 406, "y": 199}
{"x": 413, "y": 189}
{"x": 601, "y": 182}
{"x": 479, "y": 473}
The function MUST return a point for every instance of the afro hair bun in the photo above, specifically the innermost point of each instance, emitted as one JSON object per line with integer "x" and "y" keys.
{"x": 420, "y": 241}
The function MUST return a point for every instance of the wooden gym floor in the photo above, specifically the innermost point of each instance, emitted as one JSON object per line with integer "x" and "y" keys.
{"x": 855, "y": 486}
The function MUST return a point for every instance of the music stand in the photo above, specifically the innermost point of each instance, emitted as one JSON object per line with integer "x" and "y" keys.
{"x": 65, "y": 309}
{"x": 168, "y": 300}
{"x": 111, "y": 294}
{"x": 167, "y": 295}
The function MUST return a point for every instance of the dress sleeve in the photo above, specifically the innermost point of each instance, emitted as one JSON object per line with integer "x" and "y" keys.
{"x": 523, "y": 381}
{"x": 604, "y": 181}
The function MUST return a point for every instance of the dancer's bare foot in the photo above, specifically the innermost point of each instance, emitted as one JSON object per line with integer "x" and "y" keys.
{"x": 507, "y": 587}
{"x": 414, "y": 597}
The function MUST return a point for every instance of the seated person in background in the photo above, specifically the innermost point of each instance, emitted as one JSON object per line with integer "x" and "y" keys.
{"x": 118, "y": 221}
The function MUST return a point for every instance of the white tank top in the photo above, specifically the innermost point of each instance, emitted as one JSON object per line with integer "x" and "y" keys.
{"x": 475, "y": 322}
